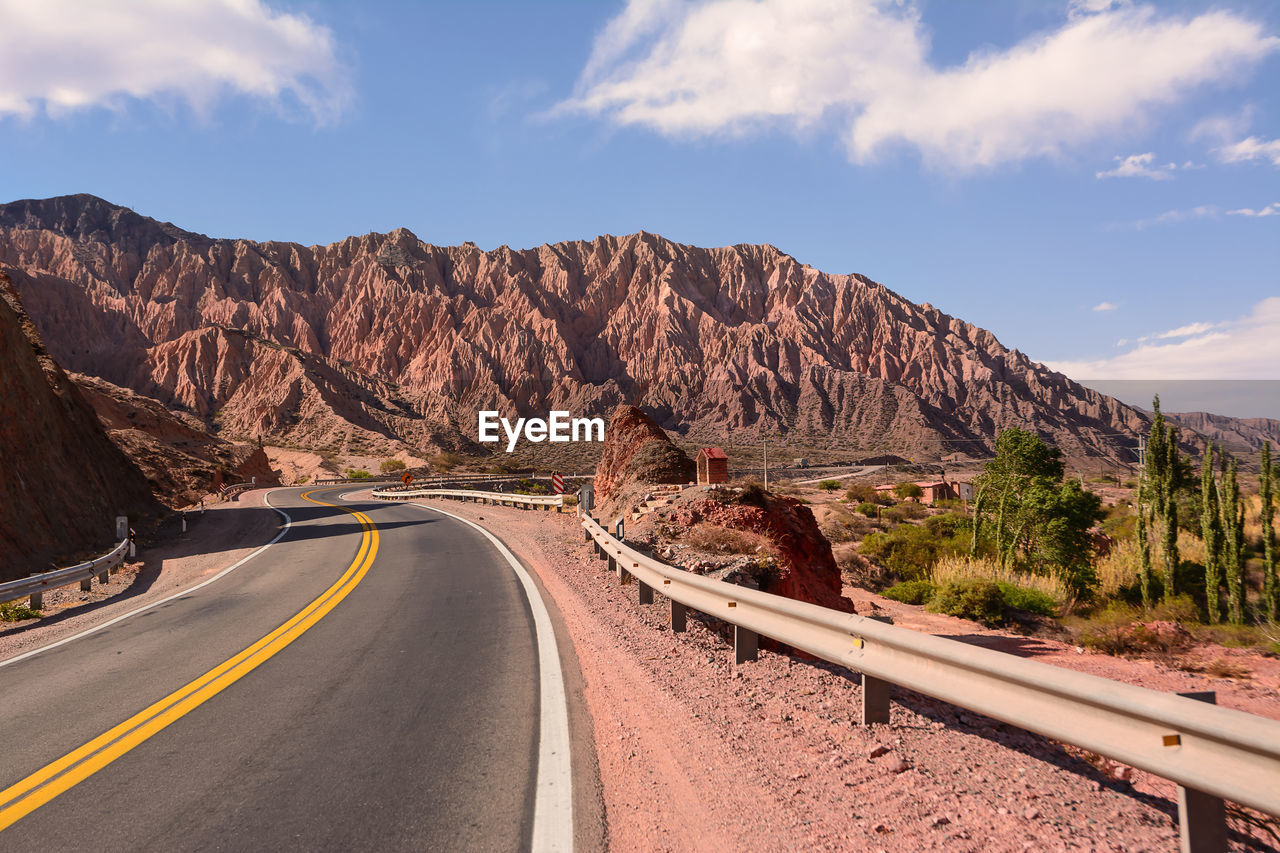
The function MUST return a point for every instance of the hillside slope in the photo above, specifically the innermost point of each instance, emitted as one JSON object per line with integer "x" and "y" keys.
{"x": 383, "y": 338}
{"x": 64, "y": 481}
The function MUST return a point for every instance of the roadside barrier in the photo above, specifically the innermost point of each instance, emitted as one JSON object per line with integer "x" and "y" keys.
{"x": 542, "y": 502}
{"x": 1212, "y": 752}
{"x": 37, "y": 584}
{"x": 232, "y": 492}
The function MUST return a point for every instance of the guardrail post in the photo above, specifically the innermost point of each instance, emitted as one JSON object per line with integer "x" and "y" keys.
{"x": 624, "y": 576}
{"x": 679, "y": 617}
{"x": 86, "y": 584}
{"x": 613, "y": 564}
{"x": 646, "y": 593}
{"x": 586, "y": 534}
{"x": 875, "y": 700}
{"x": 104, "y": 576}
{"x": 745, "y": 644}
{"x": 37, "y": 598}
{"x": 1202, "y": 818}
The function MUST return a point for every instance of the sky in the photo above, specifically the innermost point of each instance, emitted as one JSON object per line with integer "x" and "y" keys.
{"x": 1096, "y": 182}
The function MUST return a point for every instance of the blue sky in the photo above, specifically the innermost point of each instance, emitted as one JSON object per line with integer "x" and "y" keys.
{"x": 957, "y": 152}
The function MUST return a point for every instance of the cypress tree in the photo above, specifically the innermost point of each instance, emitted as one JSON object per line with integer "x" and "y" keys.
{"x": 1164, "y": 470}
{"x": 1269, "y": 580}
{"x": 1233, "y": 542}
{"x": 1211, "y": 530}
{"x": 1144, "y": 548}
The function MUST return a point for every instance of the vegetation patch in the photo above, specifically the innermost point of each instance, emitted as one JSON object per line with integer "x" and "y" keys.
{"x": 15, "y": 611}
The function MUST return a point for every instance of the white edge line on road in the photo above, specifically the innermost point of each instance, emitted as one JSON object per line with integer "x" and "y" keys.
{"x": 553, "y": 799}
{"x": 288, "y": 522}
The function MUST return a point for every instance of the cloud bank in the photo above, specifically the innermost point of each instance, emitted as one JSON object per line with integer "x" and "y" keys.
{"x": 735, "y": 65}
{"x": 57, "y": 56}
{"x": 1245, "y": 348}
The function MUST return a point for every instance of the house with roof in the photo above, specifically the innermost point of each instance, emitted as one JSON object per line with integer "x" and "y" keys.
{"x": 713, "y": 466}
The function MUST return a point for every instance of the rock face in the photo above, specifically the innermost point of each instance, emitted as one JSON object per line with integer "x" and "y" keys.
{"x": 64, "y": 481}
{"x": 383, "y": 339}
{"x": 181, "y": 461}
{"x": 807, "y": 569}
{"x": 1237, "y": 435}
{"x": 636, "y": 450}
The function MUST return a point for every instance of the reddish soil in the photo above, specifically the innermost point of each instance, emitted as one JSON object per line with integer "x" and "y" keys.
{"x": 696, "y": 754}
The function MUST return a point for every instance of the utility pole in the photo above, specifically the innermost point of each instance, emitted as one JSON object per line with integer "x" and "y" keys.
{"x": 766, "y": 461}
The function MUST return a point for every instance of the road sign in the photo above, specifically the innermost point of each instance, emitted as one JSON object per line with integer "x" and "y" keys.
{"x": 557, "y": 483}
{"x": 586, "y": 497}
{"x": 619, "y": 530}
{"x": 407, "y": 478}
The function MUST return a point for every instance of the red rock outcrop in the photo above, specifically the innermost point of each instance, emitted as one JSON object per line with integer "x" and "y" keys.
{"x": 416, "y": 337}
{"x": 808, "y": 570}
{"x": 64, "y": 482}
{"x": 636, "y": 450}
{"x": 181, "y": 461}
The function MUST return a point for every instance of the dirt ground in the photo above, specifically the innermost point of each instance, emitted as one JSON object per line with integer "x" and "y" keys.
{"x": 697, "y": 754}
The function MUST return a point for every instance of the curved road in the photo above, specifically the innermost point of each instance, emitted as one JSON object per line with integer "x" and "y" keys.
{"x": 371, "y": 681}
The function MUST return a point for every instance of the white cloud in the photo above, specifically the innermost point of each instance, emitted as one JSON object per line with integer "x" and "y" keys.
{"x": 1245, "y": 348}
{"x": 733, "y": 65}
{"x": 1272, "y": 209}
{"x": 1105, "y": 306}
{"x": 1251, "y": 148}
{"x": 63, "y": 55}
{"x": 1183, "y": 332}
{"x": 1139, "y": 166}
{"x": 1169, "y": 217}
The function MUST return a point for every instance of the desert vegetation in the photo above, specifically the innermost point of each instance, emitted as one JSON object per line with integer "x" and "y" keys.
{"x": 1187, "y": 551}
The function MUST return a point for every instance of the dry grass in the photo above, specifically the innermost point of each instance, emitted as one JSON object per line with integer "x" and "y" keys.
{"x": 721, "y": 540}
{"x": 949, "y": 569}
{"x": 1118, "y": 569}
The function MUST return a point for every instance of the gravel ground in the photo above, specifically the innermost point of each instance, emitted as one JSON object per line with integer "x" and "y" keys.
{"x": 220, "y": 536}
{"x": 696, "y": 754}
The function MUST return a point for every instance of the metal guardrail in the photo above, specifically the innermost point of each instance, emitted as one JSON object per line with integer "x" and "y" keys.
{"x": 546, "y": 502}
{"x": 229, "y": 492}
{"x": 36, "y": 585}
{"x": 1218, "y": 751}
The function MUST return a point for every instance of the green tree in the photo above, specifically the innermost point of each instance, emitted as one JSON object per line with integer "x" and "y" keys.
{"x": 1232, "y": 541}
{"x": 1270, "y": 582}
{"x": 1036, "y": 519}
{"x": 1167, "y": 474}
{"x": 1144, "y": 546}
{"x": 907, "y": 490}
{"x": 1211, "y": 532}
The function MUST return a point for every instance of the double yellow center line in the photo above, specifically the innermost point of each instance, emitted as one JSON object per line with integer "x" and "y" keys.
{"x": 22, "y": 798}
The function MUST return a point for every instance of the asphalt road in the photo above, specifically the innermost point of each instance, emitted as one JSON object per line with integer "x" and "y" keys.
{"x": 404, "y": 716}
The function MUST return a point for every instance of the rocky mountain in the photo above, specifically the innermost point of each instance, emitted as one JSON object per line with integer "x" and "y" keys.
{"x": 64, "y": 481}
{"x": 1236, "y": 435}
{"x": 383, "y": 341}
{"x": 181, "y": 461}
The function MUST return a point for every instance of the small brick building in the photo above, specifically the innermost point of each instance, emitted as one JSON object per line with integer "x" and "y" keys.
{"x": 713, "y": 466}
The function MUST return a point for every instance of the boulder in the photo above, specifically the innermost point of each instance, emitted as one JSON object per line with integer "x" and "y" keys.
{"x": 636, "y": 450}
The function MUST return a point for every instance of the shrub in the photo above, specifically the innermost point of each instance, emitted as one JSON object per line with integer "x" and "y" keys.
{"x": 304, "y": 479}
{"x": 860, "y": 492}
{"x": 911, "y": 592}
{"x": 389, "y": 465}
{"x": 1029, "y": 591}
{"x": 883, "y": 498}
{"x": 829, "y": 485}
{"x": 949, "y": 525}
{"x": 868, "y": 509}
{"x": 908, "y": 490}
{"x": 722, "y": 540}
{"x": 979, "y": 600}
{"x": 357, "y": 474}
{"x": 1031, "y": 600}
{"x": 14, "y": 611}
{"x": 909, "y": 551}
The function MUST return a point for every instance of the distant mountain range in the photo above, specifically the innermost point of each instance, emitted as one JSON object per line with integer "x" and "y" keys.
{"x": 382, "y": 341}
